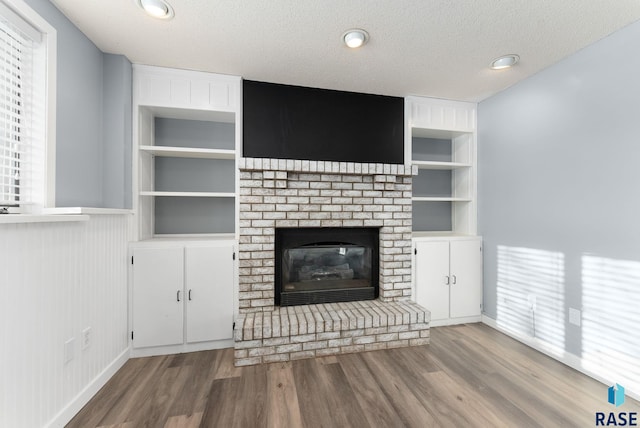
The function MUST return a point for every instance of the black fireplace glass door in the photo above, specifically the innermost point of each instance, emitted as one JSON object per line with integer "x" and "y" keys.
{"x": 326, "y": 267}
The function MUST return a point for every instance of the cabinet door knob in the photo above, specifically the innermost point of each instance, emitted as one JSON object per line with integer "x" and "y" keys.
{"x": 453, "y": 279}
{"x": 446, "y": 280}
{"x": 189, "y": 294}
{"x": 178, "y": 295}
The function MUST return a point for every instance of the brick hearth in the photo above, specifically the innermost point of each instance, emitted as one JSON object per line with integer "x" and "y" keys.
{"x": 296, "y": 332}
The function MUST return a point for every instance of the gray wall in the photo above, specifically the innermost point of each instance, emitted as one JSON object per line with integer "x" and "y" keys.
{"x": 558, "y": 200}
{"x": 194, "y": 215}
{"x": 81, "y": 158}
{"x": 116, "y": 147}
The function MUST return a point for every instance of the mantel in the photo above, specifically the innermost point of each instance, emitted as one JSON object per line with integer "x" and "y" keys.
{"x": 330, "y": 167}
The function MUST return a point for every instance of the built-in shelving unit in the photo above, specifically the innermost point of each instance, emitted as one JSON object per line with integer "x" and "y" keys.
{"x": 188, "y": 133}
{"x": 440, "y": 142}
{"x": 183, "y": 270}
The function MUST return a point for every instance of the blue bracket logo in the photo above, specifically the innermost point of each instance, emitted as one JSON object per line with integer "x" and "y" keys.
{"x": 616, "y": 395}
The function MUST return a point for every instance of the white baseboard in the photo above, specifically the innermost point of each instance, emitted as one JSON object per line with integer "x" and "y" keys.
{"x": 554, "y": 352}
{"x": 455, "y": 321}
{"x": 181, "y": 349}
{"x": 70, "y": 410}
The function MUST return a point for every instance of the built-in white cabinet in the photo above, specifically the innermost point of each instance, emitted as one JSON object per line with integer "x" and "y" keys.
{"x": 182, "y": 294}
{"x": 183, "y": 278}
{"x": 157, "y": 284}
{"x": 440, "y": 143}
{"x": 448, "y": 278}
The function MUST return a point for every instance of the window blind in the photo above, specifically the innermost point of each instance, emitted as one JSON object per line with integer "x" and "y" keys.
{"x": 17, "y": 148}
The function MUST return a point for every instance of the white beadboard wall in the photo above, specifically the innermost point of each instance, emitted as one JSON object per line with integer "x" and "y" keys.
{"x": 56, "y": 279}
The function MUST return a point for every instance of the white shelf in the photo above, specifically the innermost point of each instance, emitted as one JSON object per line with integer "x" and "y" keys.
{"x": 440, "y": 165}
{"x": 190, "y": 194}
{"x": 439, "y": 199}
{"x": 192, "y": 237}
{"x": 188, "y": 152}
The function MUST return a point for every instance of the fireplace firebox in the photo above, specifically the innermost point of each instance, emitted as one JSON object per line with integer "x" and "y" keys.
{"x": 324, "y": 265}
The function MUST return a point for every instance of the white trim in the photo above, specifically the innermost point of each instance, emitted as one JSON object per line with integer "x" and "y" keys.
{"x": 79, "y": 401}
{"x": 557, "y": 354}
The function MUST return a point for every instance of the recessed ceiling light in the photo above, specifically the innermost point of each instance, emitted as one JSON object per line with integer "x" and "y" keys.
{"x": 156, "y": 8}
{"x": 355, "y": 37}
{"x": 504, "y": 61}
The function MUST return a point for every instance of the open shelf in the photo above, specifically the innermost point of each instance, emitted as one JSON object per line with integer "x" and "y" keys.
{"x": 187, "y": 185}
{"x": 439, "y": 165}
{"x": 441, "y": 143}
{"x": 187, "y": 152}
{"x": 190, "y": 194}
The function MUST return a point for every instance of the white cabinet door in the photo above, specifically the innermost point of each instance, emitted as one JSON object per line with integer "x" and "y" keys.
{"x": 158, "y": 307}
{"x": 466, "y": 278}
{"x": 209, "y": 293}
{"x": 432, "y": 277}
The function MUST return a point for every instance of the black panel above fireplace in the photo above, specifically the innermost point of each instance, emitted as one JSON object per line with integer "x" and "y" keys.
{"x": 324, "y": 265}
{"x": 293, "y": 122}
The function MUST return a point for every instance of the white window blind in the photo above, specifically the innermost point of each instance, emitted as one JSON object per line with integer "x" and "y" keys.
{"x": 19, "y": 151}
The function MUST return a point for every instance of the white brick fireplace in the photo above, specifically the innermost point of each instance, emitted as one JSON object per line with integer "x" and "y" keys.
{"x": 278, "y": 193}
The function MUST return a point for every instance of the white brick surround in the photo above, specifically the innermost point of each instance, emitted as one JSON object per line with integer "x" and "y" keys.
{"x": 279, "y": 193}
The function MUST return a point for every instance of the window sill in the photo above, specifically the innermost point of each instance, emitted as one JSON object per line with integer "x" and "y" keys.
{"x": 85, "y": 210}
{"x": 40, "y": 218}
{"x": 61, "y": 214}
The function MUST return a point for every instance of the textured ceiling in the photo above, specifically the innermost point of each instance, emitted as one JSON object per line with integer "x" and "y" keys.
{"x": 436, "y": 48}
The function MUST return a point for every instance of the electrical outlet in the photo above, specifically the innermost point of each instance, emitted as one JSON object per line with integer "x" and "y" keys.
{"x": 86, "y": 338}
{"x": 69, "y": 346}
{"x": 575, "y": 316}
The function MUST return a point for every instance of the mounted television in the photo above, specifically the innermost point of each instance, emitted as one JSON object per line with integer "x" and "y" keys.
{"x": 294, "y": 122}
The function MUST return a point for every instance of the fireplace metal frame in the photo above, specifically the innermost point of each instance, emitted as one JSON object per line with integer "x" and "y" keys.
{"x": 288, "y": 238}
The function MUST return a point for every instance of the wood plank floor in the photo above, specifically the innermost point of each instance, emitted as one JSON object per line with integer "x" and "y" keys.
{"x": 469, "y": 376}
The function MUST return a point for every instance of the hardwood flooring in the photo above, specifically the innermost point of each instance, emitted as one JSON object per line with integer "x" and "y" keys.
{"x": 469, "y": 376}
